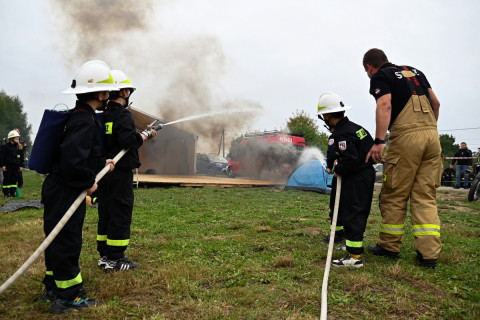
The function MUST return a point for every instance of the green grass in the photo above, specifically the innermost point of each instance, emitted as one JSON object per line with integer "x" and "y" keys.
{"x": 234, "y": 253}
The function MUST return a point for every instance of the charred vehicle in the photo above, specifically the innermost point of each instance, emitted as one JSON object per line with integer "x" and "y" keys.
{"x": 265, "y": 155}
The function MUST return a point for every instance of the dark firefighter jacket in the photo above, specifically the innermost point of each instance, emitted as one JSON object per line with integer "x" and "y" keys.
{"x": 79, "y": 158}
{"x": 121, "y": 134}
{"x": 349, "y": 144}
{"x": 10, "y": 155}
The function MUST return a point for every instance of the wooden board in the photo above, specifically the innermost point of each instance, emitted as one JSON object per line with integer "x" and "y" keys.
{"x": 204, "y": 181}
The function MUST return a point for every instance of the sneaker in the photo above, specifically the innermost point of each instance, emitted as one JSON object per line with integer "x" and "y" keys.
{"x": 456, "y": 187}
{"x": 427, "y": 263}
{"x": 339, "y": 238}
{"x": 379, "y": 251}
{"x": 102, "y": 262}
{"x": 81, "y": 302}
{"x": 466, "y": 187}
{"x": 348, "y": 261}
{"x": 47, "y": 295}
{"x": 120, "y": 265}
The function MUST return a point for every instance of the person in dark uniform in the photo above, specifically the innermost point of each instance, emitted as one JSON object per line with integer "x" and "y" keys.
{"x": 462, "y": 165}
{"x": 23, "y": 145}
{"x": 413, "y": 166}
{"x": 348, "y": 146}
{"x": 116, "y": 190}
{"x": 11, "y": 163}
{"x": 77, "y": 162}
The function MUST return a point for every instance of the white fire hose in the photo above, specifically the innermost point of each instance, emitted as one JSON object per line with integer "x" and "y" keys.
{"x": 323, "y": 310}
{"x": 57, "y": 228}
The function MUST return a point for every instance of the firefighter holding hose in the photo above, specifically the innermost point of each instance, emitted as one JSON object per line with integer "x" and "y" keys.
{"x": 348, "y": 146}
{"x": 116, "y": 189}
{"x": 77, "y": 162}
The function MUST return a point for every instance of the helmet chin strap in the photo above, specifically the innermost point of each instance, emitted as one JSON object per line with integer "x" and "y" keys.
{"x": 327, "y": 124}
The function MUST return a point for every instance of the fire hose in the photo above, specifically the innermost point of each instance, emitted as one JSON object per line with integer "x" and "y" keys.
{"x": 148, "y": 134}
{"x": 323, "y": 310}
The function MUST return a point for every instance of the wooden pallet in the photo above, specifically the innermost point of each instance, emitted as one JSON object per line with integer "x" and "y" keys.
{"x": 204, "y": 181}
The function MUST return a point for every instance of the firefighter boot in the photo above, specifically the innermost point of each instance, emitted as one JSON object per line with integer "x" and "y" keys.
{"x": 427, "y": 263}
{"x": 379, "y": 251}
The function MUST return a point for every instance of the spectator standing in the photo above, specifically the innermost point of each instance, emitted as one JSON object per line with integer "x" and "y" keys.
{"x": 462, "y": 165}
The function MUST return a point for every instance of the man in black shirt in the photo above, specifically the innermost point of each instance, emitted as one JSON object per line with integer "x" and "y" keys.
{"x": 462, "y": 165}
{"x": 348, "y": 146}
{"x": 408, "y": 107}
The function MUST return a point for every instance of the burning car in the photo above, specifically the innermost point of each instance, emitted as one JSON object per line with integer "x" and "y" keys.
{"x": 269, "y": 155}
{"x": 211, "y": 164}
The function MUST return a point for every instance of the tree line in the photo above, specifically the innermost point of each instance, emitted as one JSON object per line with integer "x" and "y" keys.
{"x": 12, "y": 116}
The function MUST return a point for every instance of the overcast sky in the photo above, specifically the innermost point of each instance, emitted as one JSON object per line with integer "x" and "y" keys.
{"x": 279, "y": 54}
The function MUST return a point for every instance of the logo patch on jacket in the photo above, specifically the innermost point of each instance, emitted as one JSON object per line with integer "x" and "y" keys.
{"x": 377, "y": 91}
{"x": 342, "y": 145}
{"x": 361, "y": 133}
{"x": 330, "y": 142}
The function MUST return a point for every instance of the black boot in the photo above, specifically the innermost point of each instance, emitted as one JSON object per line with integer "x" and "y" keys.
{"x": 427, "y": 263}
{"x": 339, "y": 237}
{"x": 379, "y": 251}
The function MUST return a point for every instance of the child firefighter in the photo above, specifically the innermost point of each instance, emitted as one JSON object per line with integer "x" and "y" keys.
{"x": 348, "y": 146}
{"x": 11, "y": 163}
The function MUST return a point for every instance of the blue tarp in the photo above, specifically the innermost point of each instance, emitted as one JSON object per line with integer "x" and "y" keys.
{"x": 310, "y": 176}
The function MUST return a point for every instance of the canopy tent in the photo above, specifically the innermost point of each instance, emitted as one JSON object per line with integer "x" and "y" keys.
{"x": 310, "y": 176}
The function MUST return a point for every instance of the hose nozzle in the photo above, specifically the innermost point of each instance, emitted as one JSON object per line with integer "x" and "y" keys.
{"x": 150, "y": 128}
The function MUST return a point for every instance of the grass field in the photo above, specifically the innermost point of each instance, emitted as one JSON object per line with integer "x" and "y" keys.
{"x": 212, "y": 253}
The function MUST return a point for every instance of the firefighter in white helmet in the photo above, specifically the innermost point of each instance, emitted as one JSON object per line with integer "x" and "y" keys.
{"x": 348, "y": 146}
{"x": 116, "y": 190}
{"x": 77, "y": 162}
{"x": 11, "y": 163}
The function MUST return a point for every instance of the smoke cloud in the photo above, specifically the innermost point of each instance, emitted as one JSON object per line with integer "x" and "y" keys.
{"x": 176, "y": 76}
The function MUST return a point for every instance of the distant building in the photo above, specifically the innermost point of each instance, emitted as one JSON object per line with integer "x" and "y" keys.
{"x": 171, "y": 152}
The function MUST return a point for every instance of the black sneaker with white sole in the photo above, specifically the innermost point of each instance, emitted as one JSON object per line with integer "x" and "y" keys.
{"x": 102, "y": 262}
{"x": 120, "y": 265}
{"x": 348, "y": 261}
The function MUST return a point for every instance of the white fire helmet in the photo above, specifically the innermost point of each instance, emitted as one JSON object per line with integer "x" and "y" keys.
{"x": 329, "y": 102}
{"x": 13, "y": 134}
{"x": 121, "y": 80}
{"x": 92, "y": 76}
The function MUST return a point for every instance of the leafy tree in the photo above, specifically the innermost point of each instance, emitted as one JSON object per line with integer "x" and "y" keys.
{"x": 234, "y": 147}
{"x": 301, "y": 123}
{"x": 12, "y": 116}
{"x": 447, "y": 141}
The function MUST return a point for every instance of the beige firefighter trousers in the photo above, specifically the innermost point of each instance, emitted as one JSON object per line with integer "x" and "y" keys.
{"x": 412, "y": 171}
